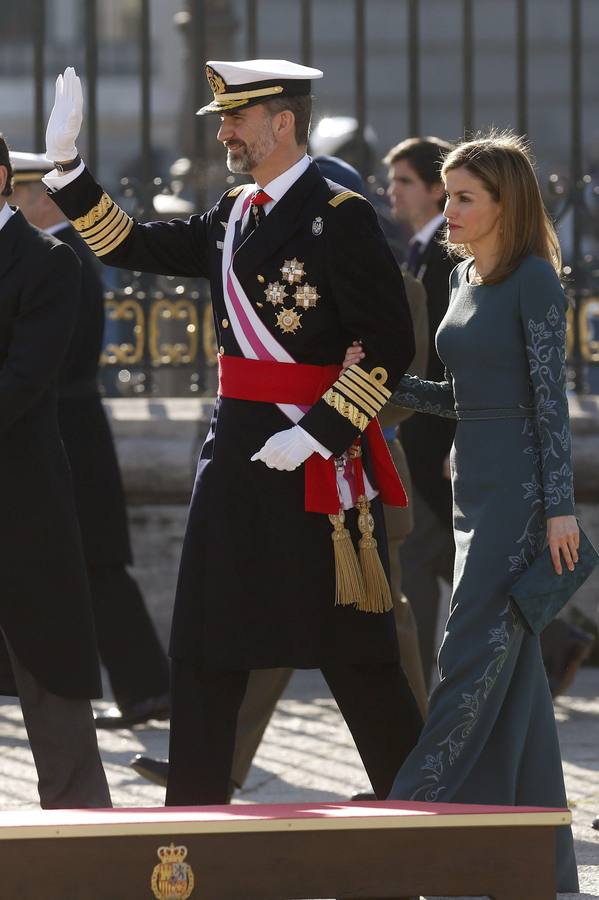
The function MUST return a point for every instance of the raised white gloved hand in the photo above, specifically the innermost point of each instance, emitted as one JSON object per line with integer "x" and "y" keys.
{"x": 285, "y": 450}
{"x": 65, "y": 119}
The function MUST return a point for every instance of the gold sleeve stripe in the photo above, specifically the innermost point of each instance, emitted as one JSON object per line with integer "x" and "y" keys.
{"x": 118, "y": 240}
{"x": 115, "y": 224}
{"x": 104, "y": 227}
{"x": 346, "y": 409}
{"x": 375, "y": 394}
{"x": 345, "y": 195}
{"x": 370, "y": 406}
{"x": 96, "y": 213}
{"x": 371, "y": 379}
{"x": 236, "y": 190}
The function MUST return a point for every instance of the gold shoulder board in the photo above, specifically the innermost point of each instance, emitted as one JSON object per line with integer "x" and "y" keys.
{"x": 236, "y": 190}
{"x": 346, "y": 195}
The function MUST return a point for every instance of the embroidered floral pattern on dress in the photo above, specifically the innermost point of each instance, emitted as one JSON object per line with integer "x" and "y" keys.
{"x": 434, "y": 397}
{"x": 546, "y": 350}
{"x": 499, "y": 639}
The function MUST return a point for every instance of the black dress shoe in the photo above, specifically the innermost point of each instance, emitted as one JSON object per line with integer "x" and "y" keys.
{"x": 364, "y": 796}
{"x": 135, "y": 713}
{"x": 595, "y": 823}
{"x": 154, "y": 770}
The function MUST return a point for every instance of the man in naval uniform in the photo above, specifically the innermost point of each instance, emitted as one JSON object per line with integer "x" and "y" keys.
{"x": 298, "y": 269}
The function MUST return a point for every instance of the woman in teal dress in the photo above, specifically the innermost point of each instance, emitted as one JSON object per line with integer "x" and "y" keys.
{"x": 490, "y": 736}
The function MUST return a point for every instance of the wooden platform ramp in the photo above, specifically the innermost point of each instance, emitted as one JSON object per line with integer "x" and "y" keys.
{"x": 307, "y": 850}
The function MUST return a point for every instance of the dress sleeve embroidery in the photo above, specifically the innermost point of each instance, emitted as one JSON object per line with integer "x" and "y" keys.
{"x": 434, "y": 397}
{"x": 545, "y": 331}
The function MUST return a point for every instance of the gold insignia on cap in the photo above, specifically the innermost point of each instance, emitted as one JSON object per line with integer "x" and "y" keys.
{"x": 306, "y": 296}
{"x": 172, "y": 876}
{"x": 292, "y": 271}
{"x": 275, "y": 293}
{"x": 288, "y": 320}
{"x": 215, "y": 81}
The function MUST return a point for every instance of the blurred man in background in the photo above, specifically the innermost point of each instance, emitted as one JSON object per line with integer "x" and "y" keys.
{"x": 417, "y": 196}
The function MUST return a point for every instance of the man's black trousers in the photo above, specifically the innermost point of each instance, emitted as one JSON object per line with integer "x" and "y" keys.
{"x": 129, "y": 647}
{"x": 375, "y": 701}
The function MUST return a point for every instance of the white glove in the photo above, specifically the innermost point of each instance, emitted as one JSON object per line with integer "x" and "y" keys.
{"x": 285, "y": 450}
{"x": 65, "y": 119}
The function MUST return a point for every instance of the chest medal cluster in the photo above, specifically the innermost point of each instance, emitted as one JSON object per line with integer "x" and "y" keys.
{"x": 305, "y": 296}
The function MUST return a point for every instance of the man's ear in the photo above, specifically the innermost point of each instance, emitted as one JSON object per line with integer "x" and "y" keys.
{"x": 3, "y": 178}
{"x": 285, "y": 123}
{"x": 438, "y": 191}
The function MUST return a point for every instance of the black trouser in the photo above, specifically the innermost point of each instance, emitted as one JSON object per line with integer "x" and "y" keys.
{"x": 375, "y": 701}
{"x": 129, "y": 648}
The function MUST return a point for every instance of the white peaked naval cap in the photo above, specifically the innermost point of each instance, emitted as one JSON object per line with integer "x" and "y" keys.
{"x": 27, "y": 167}
{"x": 242, "y": 84}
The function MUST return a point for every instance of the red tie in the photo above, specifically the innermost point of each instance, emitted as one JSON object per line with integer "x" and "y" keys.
{"x": 260, "y": 197}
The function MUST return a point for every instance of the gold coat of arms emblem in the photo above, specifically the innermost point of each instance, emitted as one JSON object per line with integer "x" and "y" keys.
{"x": 172, "y": 877}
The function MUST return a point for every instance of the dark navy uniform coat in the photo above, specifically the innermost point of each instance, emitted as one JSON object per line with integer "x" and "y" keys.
{"x": 84, "y": 427}
{"x": 257, "y": 583}
{"x": 45, "y": 607}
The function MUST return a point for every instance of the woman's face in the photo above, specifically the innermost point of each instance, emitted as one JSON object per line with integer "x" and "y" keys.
{"x": 471, "y": 212}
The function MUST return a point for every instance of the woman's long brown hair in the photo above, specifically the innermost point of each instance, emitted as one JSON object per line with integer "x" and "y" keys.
{"x": 503, "y": 162}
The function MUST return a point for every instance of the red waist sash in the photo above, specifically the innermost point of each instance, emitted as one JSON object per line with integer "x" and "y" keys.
{"x": 269, "y": 381}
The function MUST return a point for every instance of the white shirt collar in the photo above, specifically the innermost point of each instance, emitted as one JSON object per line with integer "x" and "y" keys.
{"x": 279, "y": 186}
{"x": 5, "y": 213}
{"x": 424, "y": 235}
{"x": 59, "y": 226}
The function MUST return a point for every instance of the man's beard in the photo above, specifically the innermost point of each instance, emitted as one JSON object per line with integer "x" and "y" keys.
{"x": 243, "y": 159}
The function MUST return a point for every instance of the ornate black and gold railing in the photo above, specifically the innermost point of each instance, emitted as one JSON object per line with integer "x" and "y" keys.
{"x": 158, "y": 343}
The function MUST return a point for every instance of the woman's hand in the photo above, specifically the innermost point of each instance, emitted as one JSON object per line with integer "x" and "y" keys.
{"x": 563, "y": 537}
{"x": 353, "y": 355}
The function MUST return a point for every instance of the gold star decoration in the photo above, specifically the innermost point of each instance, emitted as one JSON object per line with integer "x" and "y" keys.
{"x": 292, "y": 271}
{"x": 275, "y": 293}
{"x": 306, "y": 296}
{"x": 288, "y": 320}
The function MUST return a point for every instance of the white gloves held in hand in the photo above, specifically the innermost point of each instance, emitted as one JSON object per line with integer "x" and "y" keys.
{"x": 285, "y": 450}
{"x": 65, "y": 119}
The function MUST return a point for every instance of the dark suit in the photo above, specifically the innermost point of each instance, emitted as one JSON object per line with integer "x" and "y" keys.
{"x": 257, "y": 584}
{"x": 129, "y": 647}
{"x": 428, "y": 551}
{"x": 45, "y": 608}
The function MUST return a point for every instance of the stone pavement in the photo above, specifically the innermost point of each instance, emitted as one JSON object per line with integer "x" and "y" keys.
{"x": 307, "y": 754}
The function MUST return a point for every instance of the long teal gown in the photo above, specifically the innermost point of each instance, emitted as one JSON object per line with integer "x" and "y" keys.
{"x": 490, "y": 736}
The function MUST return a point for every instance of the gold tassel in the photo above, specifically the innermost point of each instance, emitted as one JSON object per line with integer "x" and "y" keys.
{"x": 349, "y": 583}
{"x": 377, "y": 591}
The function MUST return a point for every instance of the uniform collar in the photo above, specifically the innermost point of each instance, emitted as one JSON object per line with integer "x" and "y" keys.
{"x": 279, "y": 186}
{"x": 5, "y": 214}
{"x": 424, "y": 235}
